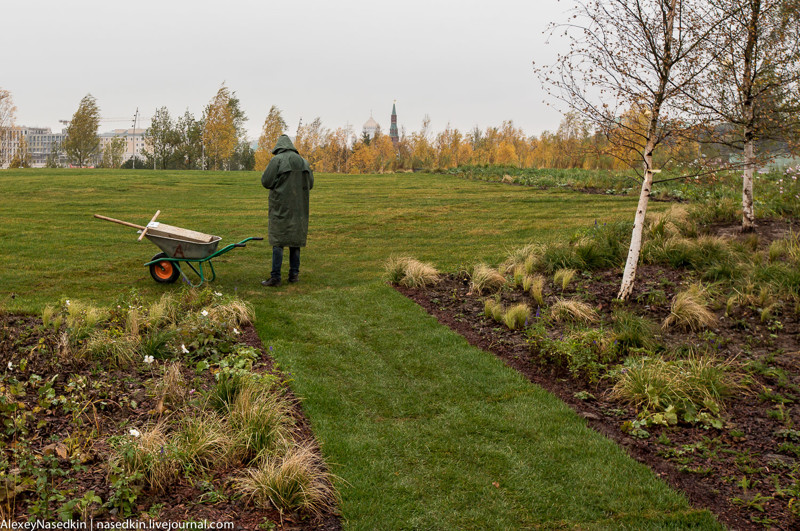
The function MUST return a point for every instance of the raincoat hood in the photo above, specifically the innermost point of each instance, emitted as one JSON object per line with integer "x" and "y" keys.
{"x": 283, "y": 144}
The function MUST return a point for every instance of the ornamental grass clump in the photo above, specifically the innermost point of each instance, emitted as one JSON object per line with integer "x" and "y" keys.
{"x": 632, "y": 331}
{"x": 163, "y": 312}
{"x": 516, "y": 316}
{"x": 564, "y": 277}
{"x": 485, "y": 279}
{"x": 565, "y": 310}
{"x": 537, "y": 289}
{"x": 147, "y": 454}
{"x": 419, "y": 274}
{"x": 202, "y": 442}
{"x": 233, "y": 314}
{"x": 170, "y": 388}
{"x": 113, "y": 347}
{"x": 666, "y": 391}
{"x": 689, "y": 311}
{"x": 395, "y": 268}
{"x": 524, "y": 259}
{"x": 260, "y": 422}
{"x": 295, "y": 482}
{"x": 493, "y": 309}
{"x": 667, "y": 224}
{"x": 410, "y": 272}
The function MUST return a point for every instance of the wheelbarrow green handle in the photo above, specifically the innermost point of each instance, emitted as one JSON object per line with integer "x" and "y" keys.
{"x": 243, "y": 243}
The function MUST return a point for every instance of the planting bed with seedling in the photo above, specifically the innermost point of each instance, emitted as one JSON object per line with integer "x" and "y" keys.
{"x": 697, "y": 375}
{"x": 169, "y": 411}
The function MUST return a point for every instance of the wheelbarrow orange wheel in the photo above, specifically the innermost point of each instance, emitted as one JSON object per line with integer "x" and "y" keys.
{"x": 165, "y": 272}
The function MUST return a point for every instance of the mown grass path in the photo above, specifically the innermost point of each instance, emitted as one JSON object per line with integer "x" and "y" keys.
{"x": 426, "y": 431}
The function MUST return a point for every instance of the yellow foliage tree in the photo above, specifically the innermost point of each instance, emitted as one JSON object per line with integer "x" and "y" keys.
{"x": 219, "y": 131}
{"x": 309, "y": 141}
{"x": 363, "y": 158}
{"x": 274, "y": 127}
{"x": 384, "y": 155}
{"x": 335, "y": 152}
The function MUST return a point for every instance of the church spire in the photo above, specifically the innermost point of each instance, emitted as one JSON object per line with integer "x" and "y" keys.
{"x": 393, "y": 128}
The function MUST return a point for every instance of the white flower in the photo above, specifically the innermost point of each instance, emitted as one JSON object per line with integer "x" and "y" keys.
{"x": 236, "y": 331}
{"x": 10, "y": 366}
{"x": 135, "y": 432}
{"x": 184, "y": 349}
{"x": 204, "y": 313}
{"x": 148, "y": 359}
{"x": 66, "y": 302}
{"x": 218, "y": 294}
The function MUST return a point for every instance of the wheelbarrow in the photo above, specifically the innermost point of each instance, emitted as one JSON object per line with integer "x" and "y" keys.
{"x": 180, "y": 245}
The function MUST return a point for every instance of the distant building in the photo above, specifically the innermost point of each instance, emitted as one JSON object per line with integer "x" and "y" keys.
{"x": 41, "y": 142}
{"x": 134, "y": 141}
{"x": 370, "y": 127}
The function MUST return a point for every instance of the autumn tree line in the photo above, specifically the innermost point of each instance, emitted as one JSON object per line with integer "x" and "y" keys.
{"x": 217, "y": 141}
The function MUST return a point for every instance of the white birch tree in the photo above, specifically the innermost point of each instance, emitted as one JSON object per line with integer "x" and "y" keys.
{"x": 632, "y": 56}
{"x": 7, "y": 115}
{"x": 751, "y": 94}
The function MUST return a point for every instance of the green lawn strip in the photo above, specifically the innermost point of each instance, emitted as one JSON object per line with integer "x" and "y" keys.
{"x": 417, "y": 423}
{"x": 420, "y": 425}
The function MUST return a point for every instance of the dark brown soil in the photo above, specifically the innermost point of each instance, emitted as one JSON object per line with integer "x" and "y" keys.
{"x": 747, "y": 473}
{"x": 113, "y": 402}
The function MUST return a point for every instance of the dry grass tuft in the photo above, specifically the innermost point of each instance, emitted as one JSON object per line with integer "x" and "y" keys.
{"x": 151, "y": 455}
{"x": 171, "y": 387}
{"x": 410, "y": 272}
{"x": 122, "y": 351}
{"x": 260, "y": 421}
{"x": 537, "y": 289}
{"x": 525, "y": 259}
{"x": 163, "y": 311}
{"x": 419, "y": 274}
{"x": 203, "y": 442}
{"x": 485, "y": 279}
{"x": 689, "y": 311}
{"x": 572, "y": 310}
{"x": 232, "y": 314}
{"x": 296, "y": 482}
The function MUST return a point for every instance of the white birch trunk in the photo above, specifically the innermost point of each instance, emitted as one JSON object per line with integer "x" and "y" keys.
{"x": 629, "y": 276}
{"x": 748, "y": 214}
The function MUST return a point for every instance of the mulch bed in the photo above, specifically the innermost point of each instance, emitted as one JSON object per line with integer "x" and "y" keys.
{"x": 126, "y": 403}
{"x": 707, "y": 464}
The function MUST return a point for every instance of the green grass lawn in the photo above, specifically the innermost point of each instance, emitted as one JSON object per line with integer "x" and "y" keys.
{"x": 425, "y": 431}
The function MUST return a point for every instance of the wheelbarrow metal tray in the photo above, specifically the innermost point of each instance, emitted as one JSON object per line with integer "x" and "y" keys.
{"x": 178, "y": 248}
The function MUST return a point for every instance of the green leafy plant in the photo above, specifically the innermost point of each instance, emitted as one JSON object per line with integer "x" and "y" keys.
{"x": 691, "y": 390}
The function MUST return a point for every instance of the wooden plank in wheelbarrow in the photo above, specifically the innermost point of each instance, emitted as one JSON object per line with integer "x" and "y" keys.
{"x": 168, "y": 231}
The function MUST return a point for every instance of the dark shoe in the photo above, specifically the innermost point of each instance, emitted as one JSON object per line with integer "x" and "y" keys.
{"x": 294, "y": 278}
{"x": 272, "y": 282}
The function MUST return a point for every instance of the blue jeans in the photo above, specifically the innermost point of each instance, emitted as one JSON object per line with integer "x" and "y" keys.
{"x": 277, "y": 260}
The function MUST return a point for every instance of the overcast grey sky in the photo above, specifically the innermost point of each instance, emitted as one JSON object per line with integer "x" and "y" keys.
{"x": 466, "y": 62}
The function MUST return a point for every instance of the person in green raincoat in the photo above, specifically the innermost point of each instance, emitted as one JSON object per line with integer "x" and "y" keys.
{"x": 288, "y": 178}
